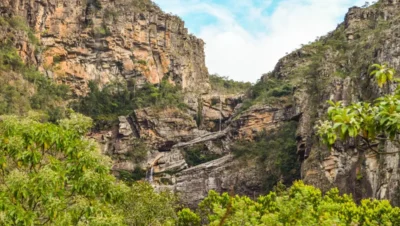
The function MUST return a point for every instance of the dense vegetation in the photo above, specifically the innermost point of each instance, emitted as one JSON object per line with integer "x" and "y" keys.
{"x": 52, "y": 175}
{"x": 372, "y": 124}
{"x": 22, "y": 87}
{"x": 270, "y": 91}
{"x": 198, "y": 154}
{"x": 106, "y": 104}
{"x": 224, "y": 85}
{"x": 276, "y": 151}
{"x": 298, "y": 205}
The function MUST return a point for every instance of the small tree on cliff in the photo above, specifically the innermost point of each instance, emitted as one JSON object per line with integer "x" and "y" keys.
{"x": 369, "y": 124}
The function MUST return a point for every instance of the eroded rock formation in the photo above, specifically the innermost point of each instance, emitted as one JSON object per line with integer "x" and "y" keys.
{"x": 106, "y": 40}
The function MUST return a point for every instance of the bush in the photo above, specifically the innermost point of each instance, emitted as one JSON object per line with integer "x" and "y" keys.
{"x": 101, "y": 31}
{"x": 187, "y": 218}
{"x": 131, "y": 177}
{"x": 299, "y": 205}
{"x": 199, "y": 154}
{"x": 225, "y": 85}
{"x": 22, "y": 87}
{"x": 139, "y": 151}
{"x": 271, "y": 91}
{"x": 52, "y": 175}
{"x": 117, "y": 99}
{"x": 277, "y": 150}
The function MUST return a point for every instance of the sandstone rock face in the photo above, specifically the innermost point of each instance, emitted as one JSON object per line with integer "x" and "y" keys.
{"x": 222, "y": 175}
{"x": 106, "y": 40}
{"x": 336, "y": 68}
{"x": 217, "y": 109}
{"x": 261, "y": 118}
{"x": 164, "y": 128}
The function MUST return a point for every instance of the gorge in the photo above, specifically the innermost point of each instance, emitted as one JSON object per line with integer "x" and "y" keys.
{"x": 184, "y": 130}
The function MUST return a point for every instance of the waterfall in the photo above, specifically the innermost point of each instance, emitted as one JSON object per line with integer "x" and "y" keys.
{"x": 149, "y": 174}
{"x": 220, "y": 114}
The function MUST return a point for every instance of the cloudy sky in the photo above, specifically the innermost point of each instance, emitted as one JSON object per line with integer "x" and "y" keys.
{"x": 246, "y": 38}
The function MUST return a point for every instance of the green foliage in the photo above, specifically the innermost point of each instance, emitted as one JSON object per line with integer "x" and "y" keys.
{"x": 299, "y": 205}
{"x": 115, "y": 99}
{"x": 187, "y": 218}
{"x": 143, "y": 206}
{"x": 142, "y": 62}
{"x": 9, "y": 58}
{"x": 373, "y": 123}
{"x": 160, "y": 96}
{"x": 57, "y": 59}
{"x": 19, "y": 94}
{"x": 95, "y": 3}
{"x": 224, "y": 85}
{"x": 382, "y": 73}
{"x": 131, "y": 177}
{"x": 101, "y": 31}
{"x": 271, "y": 91}
{"x": 51, "y": 175}
{"x": 105, "y": 105}
{"x": 14, "y": 98}
{"x": 198, "y": 154}
{"x": 277, "y": 150}
{"x": 22, "y": 87}
{"x": 139, "y": 151}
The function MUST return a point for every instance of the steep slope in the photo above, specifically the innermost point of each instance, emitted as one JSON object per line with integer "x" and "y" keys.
{"x": 213, "y": 140}
{"x": 335, "y": 67}
{"x": 107, "y": 40}
{"x": 134, "y": 43}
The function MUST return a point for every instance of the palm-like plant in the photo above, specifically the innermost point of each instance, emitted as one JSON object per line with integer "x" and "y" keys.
{"x": 382, "y": 73}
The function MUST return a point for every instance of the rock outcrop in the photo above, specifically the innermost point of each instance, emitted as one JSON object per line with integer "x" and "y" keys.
{"x": 106, "y": 40}
{"x": 335, "y": 67}
{"x": 135, "y": 42}
{"x": 226, "y": 174}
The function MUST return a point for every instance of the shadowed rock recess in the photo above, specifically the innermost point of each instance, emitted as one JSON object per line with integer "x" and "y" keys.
{"x": 244, "y": 142}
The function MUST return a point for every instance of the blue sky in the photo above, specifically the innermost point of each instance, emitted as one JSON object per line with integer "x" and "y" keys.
{"x": 246, "y": 38}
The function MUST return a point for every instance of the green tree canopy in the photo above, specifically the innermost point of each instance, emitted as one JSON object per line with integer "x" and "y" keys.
{"x": 51, "y": 175}
{"x": 299, "y": 205}
{"x": 369, "y": 124}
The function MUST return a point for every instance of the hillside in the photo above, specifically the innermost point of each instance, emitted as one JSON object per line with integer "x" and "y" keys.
{"x": 159, "y": 115}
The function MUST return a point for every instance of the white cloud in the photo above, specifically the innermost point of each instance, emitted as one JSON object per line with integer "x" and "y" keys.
{"x": 232, "y": 50}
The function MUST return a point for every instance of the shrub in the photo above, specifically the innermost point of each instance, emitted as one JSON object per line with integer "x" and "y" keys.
{"x": 276, "y": 150}
{"x": 299, "y": 205}
{"x": 271, "y": 91}
{"x": 198, "y": 154}
{"x": 22, "y": 87}
{"x": 118, "y": 99}
{"x": 225, "y": 85}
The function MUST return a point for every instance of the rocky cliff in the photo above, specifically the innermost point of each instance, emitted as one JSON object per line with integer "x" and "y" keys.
{"x": 203, "y": 146}
{"x": 335, "y": 67}
{"x": 106, "y": 40}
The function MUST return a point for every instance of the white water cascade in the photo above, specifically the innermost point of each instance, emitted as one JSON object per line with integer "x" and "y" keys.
{"x": 149, "y": 175}
{"x": 220, "y": 114}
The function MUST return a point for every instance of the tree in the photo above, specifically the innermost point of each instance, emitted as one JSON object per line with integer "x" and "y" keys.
{"x": 370, "y": 125}
{"x": 51, "y": 175}
{"x": 382, "y": 73}
{"x": 299, "y": 205}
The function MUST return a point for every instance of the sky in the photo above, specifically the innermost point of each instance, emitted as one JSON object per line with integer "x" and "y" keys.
{"x": 246, "y": 38}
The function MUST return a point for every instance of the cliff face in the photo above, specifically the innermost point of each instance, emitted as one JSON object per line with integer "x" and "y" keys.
{"x": 106, "y": 40}
{"x": 335, "y": 68}
{"x": 133, "y": 40}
